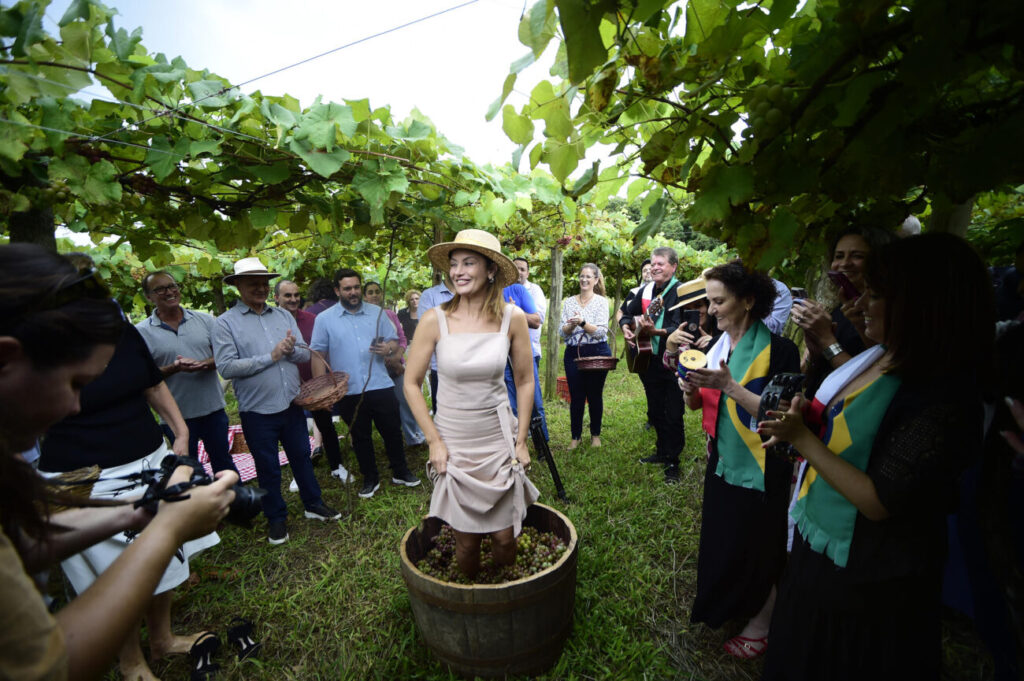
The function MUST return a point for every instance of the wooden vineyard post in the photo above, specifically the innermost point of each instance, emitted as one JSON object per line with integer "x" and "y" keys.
{"x": 554, "y": 315}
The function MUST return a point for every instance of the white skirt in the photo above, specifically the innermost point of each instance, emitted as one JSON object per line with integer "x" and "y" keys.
{"x": 83, "y": 568}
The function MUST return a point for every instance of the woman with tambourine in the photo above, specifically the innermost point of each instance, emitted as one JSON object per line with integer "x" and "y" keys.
{"x": 743, "y": 529}
{"x": 584, "y": 328}
{"x": 885, "y": 439}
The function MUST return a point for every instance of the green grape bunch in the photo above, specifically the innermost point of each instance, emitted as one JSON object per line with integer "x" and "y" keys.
{"x": 535, "y": 551}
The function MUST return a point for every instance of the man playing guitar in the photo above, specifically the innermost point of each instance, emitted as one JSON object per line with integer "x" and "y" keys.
{"x": 641, "y": 317}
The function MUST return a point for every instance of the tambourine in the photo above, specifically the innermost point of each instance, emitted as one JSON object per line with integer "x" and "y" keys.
{"x": 690, "y": 359}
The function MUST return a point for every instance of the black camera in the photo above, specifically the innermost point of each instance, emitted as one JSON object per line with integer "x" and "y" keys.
{"x": 782, "y": 388}
{"x": 244, "y": 508}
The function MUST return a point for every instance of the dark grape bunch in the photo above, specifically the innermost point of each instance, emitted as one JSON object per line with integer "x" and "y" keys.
{"x": 535, "y": 551}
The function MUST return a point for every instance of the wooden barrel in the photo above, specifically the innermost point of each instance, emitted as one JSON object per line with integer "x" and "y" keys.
{"x": 494, "y": 630}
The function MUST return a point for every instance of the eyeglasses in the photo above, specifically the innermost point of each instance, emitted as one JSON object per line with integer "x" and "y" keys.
{"x": 161, "y": 290}
{"x": 88, "y": 284}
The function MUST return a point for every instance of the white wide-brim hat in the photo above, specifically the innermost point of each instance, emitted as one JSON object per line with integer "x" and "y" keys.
{"x": 482, "y": 242}
{"x": 250, "y": 267}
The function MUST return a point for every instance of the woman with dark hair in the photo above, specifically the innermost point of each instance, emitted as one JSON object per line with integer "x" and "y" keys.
{"x": 584, "y": 329}
{"x": 834, "y": 337}
{"x": 58, "y": 329}
{"x": 885, "y": 438}
{"x": 321, "y": 296}
{"x": 743, "y": 527}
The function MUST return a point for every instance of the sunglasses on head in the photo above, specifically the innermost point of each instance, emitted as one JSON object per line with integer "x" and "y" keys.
{"x": 86, "y": 285}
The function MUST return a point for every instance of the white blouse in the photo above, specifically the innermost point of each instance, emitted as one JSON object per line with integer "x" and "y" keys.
{"x": 595, "y": 313}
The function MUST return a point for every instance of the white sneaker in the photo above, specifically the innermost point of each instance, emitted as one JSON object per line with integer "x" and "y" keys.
{"x": 342, "y": 474}
{"x": 294, "y": 487}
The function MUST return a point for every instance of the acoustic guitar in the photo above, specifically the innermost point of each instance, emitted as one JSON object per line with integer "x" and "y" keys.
{"x": 639, "y": 361}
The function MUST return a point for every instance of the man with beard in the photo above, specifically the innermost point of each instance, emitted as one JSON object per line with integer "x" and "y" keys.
{"x": 179, "y": 340}
{"x": 288, "y": 298}
{"x": 254, "y": 345}
{"x": 356, "y": 337}
{"x": 663, "y": 395}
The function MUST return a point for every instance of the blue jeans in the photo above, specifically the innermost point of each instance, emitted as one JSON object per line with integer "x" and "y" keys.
{"x": 585, "y": 388}
{"x": 262, "y": 433}
{"x": 212, "y": 429}
{"x": 538, "y": 401}
{"x": 410, "y": 429}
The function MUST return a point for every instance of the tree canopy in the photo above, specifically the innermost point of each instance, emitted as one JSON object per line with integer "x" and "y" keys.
{"x": 772, "y": 124}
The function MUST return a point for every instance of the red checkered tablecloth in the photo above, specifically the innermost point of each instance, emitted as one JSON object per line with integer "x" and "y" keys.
{"x": 243, "y": 460}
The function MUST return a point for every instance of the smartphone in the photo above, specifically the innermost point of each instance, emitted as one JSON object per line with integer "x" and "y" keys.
{"x": 850, "y": 291}
{"x": 798, "y": 293}
{"x": 691, "y": 323}
{"x": 377, "y": 340}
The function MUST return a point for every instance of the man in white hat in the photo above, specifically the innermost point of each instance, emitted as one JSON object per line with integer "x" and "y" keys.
{"x": 254, "y": 345}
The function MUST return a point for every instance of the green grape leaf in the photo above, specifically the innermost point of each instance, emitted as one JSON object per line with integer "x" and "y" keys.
{"x": 77, "y": 9}
{"x": 271, "y": 174}
{"x": 537, "y": 27}
{"x": 210, "y": 94}
{"x": 581, "y": 24}
{"x": 263, "y": 216}
{"x": 376, "y": 181}
{"x": 162, "y": 159}
{"x": 29, "y": 31}
{"x": 782, "y": 235}
{"x": 722, "y": 186}
{"x": 92, "y": 182}
{"x": 652, "y": 223}
{"x": 561, "y": 158}
{"x": 320, "y": 125}
{"x": 518, "y": 128}
{"x": 320, "y": 162}
{"x": 121, "y": 42}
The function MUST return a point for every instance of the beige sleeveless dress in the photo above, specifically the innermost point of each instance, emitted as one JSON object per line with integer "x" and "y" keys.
{"x": 485, "y": 488}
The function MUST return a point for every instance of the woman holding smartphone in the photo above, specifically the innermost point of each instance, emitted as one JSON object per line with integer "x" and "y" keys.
{"x": 833, "y": 337}
{"x": 885, "y": 438}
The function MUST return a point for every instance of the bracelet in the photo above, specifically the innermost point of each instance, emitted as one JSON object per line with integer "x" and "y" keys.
{"x": 832, "y": 351}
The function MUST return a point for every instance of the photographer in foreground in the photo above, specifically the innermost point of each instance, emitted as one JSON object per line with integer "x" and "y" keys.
{"x": 58, "y": 330}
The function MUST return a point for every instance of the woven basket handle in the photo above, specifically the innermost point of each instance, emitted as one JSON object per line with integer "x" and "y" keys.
{"x": 330, "y": 371}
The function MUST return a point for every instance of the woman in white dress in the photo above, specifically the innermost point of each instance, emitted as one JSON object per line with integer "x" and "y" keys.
{"x": 477, "y": 446}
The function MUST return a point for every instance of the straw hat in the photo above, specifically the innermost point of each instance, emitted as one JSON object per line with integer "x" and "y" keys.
{"x": 689, "y": 292}
{"x": 482, "y": 242}
{"x": 250, "y": 267}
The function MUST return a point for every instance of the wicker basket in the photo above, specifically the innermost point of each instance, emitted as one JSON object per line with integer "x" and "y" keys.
{"x": 323, "y": 391}
{"x": 596, "y": 363}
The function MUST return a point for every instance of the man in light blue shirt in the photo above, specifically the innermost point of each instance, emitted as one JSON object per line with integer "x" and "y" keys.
{"x": 432, "y": 297}
{"x": 356, "y": 336}
{"x": 776, "y": 319}
{"x": 521, "y": 298}
{"x": 254, "y": 345}
{"x": 180, "y": 343}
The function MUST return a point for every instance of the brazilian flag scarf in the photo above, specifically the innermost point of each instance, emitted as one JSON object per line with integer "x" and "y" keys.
{"x": 646, "y": 298}
{"x": 825, "y": 518}
{"x": 740, "y": 456}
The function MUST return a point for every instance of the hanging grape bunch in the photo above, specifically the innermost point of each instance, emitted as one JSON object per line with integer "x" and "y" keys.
{"x": 535, "y": 551}
{"x": 768, "y": 109}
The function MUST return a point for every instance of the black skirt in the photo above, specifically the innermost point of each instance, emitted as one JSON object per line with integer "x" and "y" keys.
{"x": 742, "y": 544}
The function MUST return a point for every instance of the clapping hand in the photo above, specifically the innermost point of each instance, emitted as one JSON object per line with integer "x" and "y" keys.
{"x": 785, "y": 426}
{"x": 285, "y": 347}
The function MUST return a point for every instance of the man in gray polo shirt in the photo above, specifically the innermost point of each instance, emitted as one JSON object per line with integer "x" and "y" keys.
{"x": 179, "y": 341}
{"x": 255, "y": 346}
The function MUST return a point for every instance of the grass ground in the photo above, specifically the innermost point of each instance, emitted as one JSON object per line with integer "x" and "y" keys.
{"x": 331, "y": 603}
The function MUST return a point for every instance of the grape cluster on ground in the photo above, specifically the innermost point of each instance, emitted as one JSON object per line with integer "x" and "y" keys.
{"x": 535, "y": 551}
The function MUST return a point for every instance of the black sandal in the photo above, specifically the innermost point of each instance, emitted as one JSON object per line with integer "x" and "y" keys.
{"x": 201, "y": 653}
{"x": 240, "y": 636}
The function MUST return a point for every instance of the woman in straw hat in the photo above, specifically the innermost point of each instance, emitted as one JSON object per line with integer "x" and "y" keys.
{"x": 477, "y": 448}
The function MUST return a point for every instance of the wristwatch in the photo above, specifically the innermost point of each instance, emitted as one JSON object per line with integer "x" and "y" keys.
{"x": 583, "y": 322}
{"x": 832, "y": 351}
